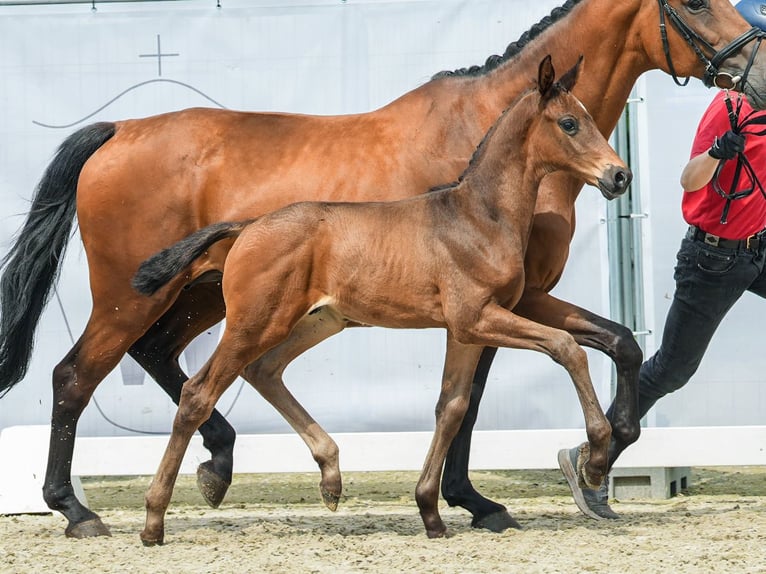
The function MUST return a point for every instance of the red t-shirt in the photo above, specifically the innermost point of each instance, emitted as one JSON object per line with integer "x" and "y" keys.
{"x": 704, "y": 207}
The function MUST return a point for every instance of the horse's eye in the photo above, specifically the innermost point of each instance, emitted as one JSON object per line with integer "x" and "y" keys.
{"x": 569, "y": 125}
{"x": 696, "y": 5}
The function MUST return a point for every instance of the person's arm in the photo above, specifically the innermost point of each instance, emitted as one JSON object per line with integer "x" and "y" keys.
{"x": 700, "y": 169}
{"x": 698, "y": 172}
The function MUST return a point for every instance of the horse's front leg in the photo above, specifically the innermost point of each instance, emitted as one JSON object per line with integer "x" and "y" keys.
{"x": 457, "y": 489}
{"x": 459, "y": 365}
{"x": 613, "y": 339}
{"x": 157, "y": 351}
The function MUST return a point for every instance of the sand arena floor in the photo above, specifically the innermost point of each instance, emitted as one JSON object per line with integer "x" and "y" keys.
{"x": 276, "y": 523}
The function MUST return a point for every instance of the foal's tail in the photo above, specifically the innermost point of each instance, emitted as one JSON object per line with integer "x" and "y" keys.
{"x": 162, "y": 267}
{"x": 31, "y": 267}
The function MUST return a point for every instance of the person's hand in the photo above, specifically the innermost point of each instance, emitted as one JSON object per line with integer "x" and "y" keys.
{"x": 727, "y": 146}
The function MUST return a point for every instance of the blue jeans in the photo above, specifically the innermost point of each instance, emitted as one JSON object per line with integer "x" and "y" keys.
{"x": 709, "y": 280}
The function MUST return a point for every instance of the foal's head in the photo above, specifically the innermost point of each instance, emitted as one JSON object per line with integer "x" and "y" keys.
{"x": 563, "y": 135}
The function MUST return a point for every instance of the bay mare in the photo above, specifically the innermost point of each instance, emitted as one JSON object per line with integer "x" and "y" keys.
{"x": 191, "y": 161}
{"x": 452, "y": 258}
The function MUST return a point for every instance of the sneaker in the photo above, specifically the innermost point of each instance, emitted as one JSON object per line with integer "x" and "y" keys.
{"x": 593, "y": 503}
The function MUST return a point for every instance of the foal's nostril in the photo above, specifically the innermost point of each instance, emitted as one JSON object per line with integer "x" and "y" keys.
{"x": 622, "y": 178}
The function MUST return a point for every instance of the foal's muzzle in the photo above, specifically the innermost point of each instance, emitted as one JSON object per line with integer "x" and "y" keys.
{"x": 615, "y": 181}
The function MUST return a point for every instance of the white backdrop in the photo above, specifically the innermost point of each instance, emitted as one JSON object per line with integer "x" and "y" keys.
{"x": 730, "y": 386}
{"x": 66, "y": 66}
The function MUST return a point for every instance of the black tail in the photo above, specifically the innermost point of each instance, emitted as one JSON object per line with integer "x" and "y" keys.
{"x": 32, "y": 266}
{"x": 162, "y": 267}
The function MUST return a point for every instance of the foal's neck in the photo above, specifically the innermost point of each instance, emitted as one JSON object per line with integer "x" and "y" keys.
{"x": 502, "y": 180}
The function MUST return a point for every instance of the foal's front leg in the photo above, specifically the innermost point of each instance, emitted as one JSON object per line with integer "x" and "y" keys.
{"x": 459, "y": 366}
{"x": 613, "y": 339}
{"x": 498, "y": 327}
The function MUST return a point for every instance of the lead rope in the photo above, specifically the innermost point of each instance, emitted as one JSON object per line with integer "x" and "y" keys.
{"x": 742, "y": 162}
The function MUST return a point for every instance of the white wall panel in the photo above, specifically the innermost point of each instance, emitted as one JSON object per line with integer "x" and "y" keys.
{"x": 68, "y": 66}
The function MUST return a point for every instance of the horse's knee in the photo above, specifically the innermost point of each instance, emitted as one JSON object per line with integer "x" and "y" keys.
{"x": 627, "y": 352}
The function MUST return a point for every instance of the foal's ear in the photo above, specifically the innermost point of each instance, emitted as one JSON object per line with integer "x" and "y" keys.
{"x": 545, "y": 76}
{"x": 569, "y": 79}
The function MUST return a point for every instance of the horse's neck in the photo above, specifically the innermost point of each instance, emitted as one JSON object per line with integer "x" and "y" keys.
{"x": 595, "y": 29}
{"x": 612, "y": 59}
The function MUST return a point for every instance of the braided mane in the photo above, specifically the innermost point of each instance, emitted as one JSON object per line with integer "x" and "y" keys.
{"x": 514, "y": 47}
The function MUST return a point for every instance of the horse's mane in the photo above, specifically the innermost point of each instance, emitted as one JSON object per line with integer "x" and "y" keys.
{"x": 514, "y": 47}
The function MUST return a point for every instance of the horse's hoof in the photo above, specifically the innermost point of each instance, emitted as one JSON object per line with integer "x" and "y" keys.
{"x": 330, "y": 500}
{"x": 497, "y": 522}
{"x": 437, "y": 533}
{"x": 87, "y": 529}
{"x": 211, "y": 485}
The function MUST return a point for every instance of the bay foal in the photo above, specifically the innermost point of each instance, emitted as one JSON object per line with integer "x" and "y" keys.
{"x": 452, "y": 258}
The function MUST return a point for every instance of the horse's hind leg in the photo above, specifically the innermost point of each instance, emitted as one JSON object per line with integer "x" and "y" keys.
{"x": 265, "y": 375}
{"x": 157, "y": 351}
{"x": 457, "y": 489}
{"x": 75, "y": 378}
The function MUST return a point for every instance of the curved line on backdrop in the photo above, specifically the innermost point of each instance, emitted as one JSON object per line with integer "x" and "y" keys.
{"x": 121, "y": 94}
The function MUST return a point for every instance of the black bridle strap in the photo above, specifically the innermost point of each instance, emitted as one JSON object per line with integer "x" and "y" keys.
{"x": 694, "y": 40}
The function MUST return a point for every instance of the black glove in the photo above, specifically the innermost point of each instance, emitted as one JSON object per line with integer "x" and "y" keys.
{"x": 727, "y": 145}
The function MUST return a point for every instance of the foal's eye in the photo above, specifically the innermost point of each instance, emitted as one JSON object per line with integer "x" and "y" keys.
{"x": 696, "y": 5}
{"x": 569, "y": 125}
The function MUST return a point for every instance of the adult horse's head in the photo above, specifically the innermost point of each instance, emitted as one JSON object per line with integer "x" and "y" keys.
{"x": 573, "y": 141}
{"x": 710, "y": 39}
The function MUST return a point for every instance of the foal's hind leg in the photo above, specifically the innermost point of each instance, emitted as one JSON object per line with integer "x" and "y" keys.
{"x": 265, "y": 375}
{"x": 157, "y": 351}
{"x": 199, "y": 395}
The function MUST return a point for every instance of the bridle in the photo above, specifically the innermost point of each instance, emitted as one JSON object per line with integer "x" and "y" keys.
{"x": 713, "y": 76}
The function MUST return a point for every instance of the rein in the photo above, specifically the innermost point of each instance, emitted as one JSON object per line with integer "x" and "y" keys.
{"x": 713, "y": 76}
{"x": 743, "y": 165}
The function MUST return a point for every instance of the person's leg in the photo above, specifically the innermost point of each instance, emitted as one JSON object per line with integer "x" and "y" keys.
{"x": 708, "y": 282}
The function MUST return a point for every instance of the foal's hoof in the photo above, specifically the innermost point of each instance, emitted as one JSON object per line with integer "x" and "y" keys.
{"x": 497, "y": 522}
{"x": 148, "y": 540}
{"x": 211, "y": 485}
{"x": 330, "y": 499}
{"x": 87, "y": 529}
{"x": 586, "y": 479}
